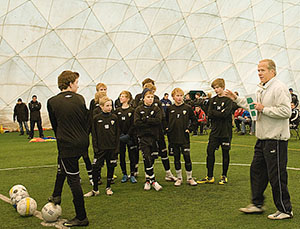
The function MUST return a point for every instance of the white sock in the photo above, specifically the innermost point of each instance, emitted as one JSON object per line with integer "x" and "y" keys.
{"x": 179, "y": 174}
{"x": 168, "y": 172}
{"x": 188, "y": 175}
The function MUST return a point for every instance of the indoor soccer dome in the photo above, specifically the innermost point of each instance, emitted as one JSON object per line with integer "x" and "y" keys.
{"x": 178, "y": 43}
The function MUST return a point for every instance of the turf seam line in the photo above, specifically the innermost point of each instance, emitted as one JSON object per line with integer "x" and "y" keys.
{"x": 157, "y": 162}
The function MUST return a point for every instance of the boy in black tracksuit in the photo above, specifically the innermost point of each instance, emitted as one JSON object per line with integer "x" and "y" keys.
{"x": 220, "y": 113}
{"x": 162, "y": 147}
{"x": 180, "y": 122}
{"x": 125, "y": 115}
{"x": 147, "y": 120}
{"x": 69, "y": 118}
{"x": 105, "y": 136}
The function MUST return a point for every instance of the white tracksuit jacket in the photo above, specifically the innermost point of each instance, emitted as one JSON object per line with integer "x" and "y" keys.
{"x": 273, "y": 121}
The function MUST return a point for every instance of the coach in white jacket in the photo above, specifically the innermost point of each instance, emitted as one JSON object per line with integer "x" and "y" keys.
{"x": 272, "y": 131}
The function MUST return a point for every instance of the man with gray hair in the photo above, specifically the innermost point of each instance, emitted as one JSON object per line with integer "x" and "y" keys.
{"x": 272, "y": 132}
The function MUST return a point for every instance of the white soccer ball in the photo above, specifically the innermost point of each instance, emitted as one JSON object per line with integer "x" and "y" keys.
{"x": 17, "y": 192}
{"x": 27, "y": 206}
{"x": 15, "y": 189}
{"x": 51, "y": 212}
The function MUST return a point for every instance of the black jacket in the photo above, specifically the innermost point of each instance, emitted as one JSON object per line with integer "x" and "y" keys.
{"x": 35, "y": 107}
{"x": 147, "y": 120}
{"x": 21, "y": 112}
{"x": 179, "y": 119}
{"x": 220, "y": 113}
{"x": 126, "y": 120}
{"x": 69, "y": 119}
{"x": 106, "y": 132}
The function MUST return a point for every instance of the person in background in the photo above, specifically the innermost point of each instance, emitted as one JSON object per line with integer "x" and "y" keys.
{"x": 188, "y": 100}
{"x": 295, "y": 118}
{"x": 246, "y": 120}
{"x": 238, "y": 114}
{"x": 21, "y": 113}
{"x": 165, "y": 102}
{"x": 294, "y": 97}
{"x": 35, "y": 116}
{"x": 201, "y": 119}
{"x": 198, "y": 100}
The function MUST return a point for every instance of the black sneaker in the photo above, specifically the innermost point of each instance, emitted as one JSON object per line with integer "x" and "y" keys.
{"x": 76, "y": 223}
{"x": 55, "y": 200}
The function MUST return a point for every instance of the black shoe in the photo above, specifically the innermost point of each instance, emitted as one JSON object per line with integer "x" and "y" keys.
{"x": 76, "y": 223}
{"x": 55, "y": 200}
{"x": 21, "y": 134}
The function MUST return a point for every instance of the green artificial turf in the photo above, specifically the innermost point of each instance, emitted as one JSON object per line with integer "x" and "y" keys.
{"x": 203, "y": 206}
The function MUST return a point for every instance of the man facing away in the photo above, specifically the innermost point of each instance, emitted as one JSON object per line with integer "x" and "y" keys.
{"x": 69, "y": 119}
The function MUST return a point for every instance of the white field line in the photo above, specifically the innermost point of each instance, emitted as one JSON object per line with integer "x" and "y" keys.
{"x": 38, "y": 214}
{"x": 195, "y": 163}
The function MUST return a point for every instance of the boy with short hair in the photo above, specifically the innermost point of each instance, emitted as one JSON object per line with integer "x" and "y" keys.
{"x": 147, "y": 120}
{"x": 105, "y": 136}
{"x": 180, "y": 122}
{"x": 68, "y": 116}
{"x": 220, "y": 114}
{"x": 125, "y": 114}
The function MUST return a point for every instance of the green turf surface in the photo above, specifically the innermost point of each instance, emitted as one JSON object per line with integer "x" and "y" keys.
{"x": 203, "y": 206}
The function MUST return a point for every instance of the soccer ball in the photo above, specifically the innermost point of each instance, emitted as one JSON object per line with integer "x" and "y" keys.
{"x": 15, "y": 189}
{"x": 51, "y": 212}
{"x": 27, "y": 206}
{"x": 17, "y": 193}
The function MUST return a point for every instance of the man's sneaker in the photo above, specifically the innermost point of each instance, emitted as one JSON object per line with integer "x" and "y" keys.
{"x": 124, "y": 178}
{"x": 147, "y": 186}
{"x": 76, "y": 223}
{"x": 170, "y": 177}
{"x": 55, "y": 200}
{"x": 133, "y": 179}
{"x": 156, "y": 186}
{"x": 178, "y": 182}
{"x": 252, "y": 209}
{"x": 109, "y": 192}
{"x": 191, "y": 182}
{"x": 281, "y": 215}
{"x": 206, "y": 180}
{"x": 223, "y": 180}
{"x": 92, "y": 193}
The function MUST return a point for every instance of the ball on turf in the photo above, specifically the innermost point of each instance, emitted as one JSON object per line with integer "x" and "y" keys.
{"x": 15, "y": 189}
{"x": 27, "y": 206}
{"x": 51, "y": 212}
{"x": 17, "y": 195}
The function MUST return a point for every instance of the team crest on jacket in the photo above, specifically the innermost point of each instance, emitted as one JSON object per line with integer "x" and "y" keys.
{"x": 100, "y": 120}
{"x": 112, "y": 122}
{"x": 172, "y": 111}
{"x": 222, "y": 104}
{"x": 142, "y": 112}
{"x": 184, "y": 112}
{"x": 123, "y": 118}
{"x": 119, "y": 113}
{"x": 155, "y": 104}
{"x": 129, "y": 114}
{"x": 152, "y": 112}
{"x": 106, "y": 126}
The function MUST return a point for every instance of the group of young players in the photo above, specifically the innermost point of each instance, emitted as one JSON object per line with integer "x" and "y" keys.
{"x": 141, "y": 124}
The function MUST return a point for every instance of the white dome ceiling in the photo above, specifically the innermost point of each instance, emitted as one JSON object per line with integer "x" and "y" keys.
{"x": 178, "y": 43}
